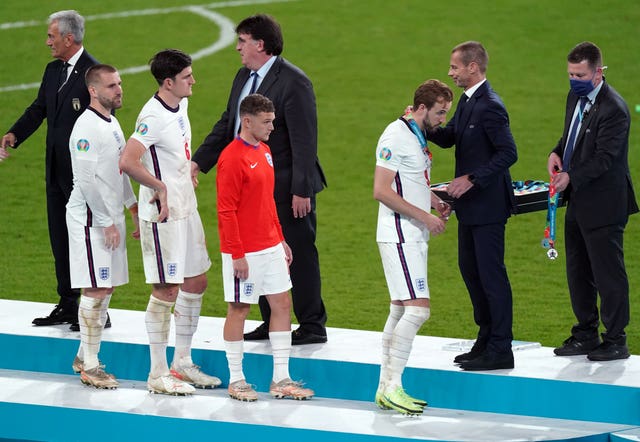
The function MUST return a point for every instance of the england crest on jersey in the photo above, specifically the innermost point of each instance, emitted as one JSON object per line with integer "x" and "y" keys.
{"x": 269, "y": 159}
{"x": 104, "y": 273}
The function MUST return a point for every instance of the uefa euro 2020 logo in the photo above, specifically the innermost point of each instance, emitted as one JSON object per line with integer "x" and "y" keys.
{"x": 142, "y": 129}
{"x": 385, "y": 154}
{"x": 82, "y": 145}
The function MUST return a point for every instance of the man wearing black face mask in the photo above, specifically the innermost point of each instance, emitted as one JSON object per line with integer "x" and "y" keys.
{"x": 591, "y": 167}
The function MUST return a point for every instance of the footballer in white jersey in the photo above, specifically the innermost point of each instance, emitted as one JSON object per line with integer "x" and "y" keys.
{"x": 100, "y": 191}
{"x": 158, "y": 156}
{"x": 96, "y": 225}
{"x": 399, "y": 150}
{"x": 402, "y": 186}
{"x": 165, "y": 132}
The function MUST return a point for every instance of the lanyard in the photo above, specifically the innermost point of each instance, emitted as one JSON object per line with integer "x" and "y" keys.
{"x": 408, "y": 118}
{"x": 419, "y": 134}
{"x": 550, "y": 229}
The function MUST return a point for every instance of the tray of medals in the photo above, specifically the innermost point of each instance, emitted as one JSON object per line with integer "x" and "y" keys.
{"x": 531, "y": 195}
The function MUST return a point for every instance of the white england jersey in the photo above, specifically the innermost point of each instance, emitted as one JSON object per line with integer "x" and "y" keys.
{"x": 399, "y": 150}
{"x": 100, "y": 189}
{"x": 166, "y": 134}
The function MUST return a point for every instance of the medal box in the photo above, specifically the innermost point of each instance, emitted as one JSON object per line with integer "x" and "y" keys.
{"x": 531, "y": 196}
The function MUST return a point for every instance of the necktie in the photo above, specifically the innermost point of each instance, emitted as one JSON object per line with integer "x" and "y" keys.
{"x": 63, "y": 76}
{"x": 252, "y": 90}
{"x": 463, "y": 101}
{"x": 255, "y": 82}
{"x": 568, "y": 151}
{"x": 460, "y": 109}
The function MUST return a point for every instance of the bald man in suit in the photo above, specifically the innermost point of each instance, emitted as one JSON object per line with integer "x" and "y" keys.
{"x": 483, "y": 201}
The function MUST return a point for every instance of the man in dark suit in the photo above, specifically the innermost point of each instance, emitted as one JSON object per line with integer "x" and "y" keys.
{"x": 62, "y": 97}
{"x": 591, "y": 167}
{"x": 483, "y": 200}
{"x": 298, "y": 175}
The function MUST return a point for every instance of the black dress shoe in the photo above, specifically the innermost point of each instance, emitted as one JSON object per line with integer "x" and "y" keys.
{"x": 260, "y": 333}
{"x": 573, "y": 347}
{"x": 59, "y": 315}
{"x": 608, "y": 351}
{"x": 489, "y": 361}
{"x": 76, "y": 327}
{"x": 302, "y": 337}
{"x": 475, "y": 352}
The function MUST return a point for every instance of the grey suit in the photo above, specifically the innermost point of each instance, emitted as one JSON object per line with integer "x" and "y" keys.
{"x": 294, "y": 147}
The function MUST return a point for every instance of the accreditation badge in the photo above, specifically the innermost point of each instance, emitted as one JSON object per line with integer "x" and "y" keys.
{"x": 75, "y": 102}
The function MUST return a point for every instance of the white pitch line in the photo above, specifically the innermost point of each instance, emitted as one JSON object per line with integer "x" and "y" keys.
{"x": 227, "y": 35}
{"x": 227, "y": 30}
{"x": 109, "y": 15}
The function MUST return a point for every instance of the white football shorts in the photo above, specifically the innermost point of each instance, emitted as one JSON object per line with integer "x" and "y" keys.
{"x": 173, "y": 250}
{"x": 91, "y": 264}
{"x": 405, "y": 269}
{"x": 268, "y": 275}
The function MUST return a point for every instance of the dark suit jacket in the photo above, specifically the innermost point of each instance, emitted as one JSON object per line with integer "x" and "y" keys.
{"x": 600, "y": 192}
{"x": 294, "y": 140}
{"x": 61, "y": 111}
{"x": 485, "y": 149}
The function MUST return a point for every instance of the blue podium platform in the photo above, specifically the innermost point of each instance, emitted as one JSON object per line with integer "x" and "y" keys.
{"x": 543, "y": 398}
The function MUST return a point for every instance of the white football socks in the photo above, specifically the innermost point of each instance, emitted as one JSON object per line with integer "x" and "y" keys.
{"x": 158, "y": 322}
{"x": 281, "y": 348}
{"x": 91, "y": 312}
{"x": 186, "y": 314}
{"x": 234, "y": 351}
{"x": 395, "y": 313}
{"x": 402, "y": 340}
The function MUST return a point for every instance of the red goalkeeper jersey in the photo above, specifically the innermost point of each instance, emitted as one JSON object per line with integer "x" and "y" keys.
{"x": 247, "y": 217}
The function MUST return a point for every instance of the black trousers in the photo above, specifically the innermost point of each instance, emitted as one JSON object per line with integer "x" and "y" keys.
{"x": 300, "y": 234}
{"x": 58, "y": 192}
{"x": 595, "y": 265}
{"x": 481, "y": 262}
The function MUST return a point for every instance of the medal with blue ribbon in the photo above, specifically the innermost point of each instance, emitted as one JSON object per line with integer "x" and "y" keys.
{"x": 421, "y": 139}
{"x": 549, "y": 240}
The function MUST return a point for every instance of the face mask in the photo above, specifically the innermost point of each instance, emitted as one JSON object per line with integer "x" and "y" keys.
{"x": 581, "y": 87}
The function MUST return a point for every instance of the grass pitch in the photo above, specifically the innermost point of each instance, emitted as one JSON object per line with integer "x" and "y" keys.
{"x": 365, "y": 60}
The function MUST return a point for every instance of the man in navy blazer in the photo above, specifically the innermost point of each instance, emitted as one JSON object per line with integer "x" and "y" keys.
{"x": 294, "y": 146}
{"x": 483, "y": 200}
{"x": 591, "y": 162}
{"x": 62, "y": 97}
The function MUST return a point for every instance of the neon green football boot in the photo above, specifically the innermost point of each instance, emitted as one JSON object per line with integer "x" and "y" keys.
{"x": 398, "y": 400}
{"x": 420, "y": 402}
{"x": 381, "y": 401}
